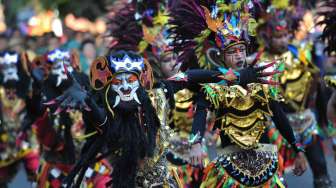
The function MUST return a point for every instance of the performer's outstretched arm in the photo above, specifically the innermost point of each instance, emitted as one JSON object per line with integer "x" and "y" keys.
{"x": 192, "y": 78}
{"x": 282, "y": 124}
{"x": 199, "y": 121}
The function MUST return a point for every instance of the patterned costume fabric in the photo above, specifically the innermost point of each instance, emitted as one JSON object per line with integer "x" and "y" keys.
{"x": 17, "y": 142}
{"x": 207, "y": 30}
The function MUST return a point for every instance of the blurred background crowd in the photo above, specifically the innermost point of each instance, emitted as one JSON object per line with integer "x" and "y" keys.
{"x": 38, "y": 26}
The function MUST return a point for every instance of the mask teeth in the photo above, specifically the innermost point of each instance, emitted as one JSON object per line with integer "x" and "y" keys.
{"x": 136, "y": 98}
{"x": 117, "y": 101}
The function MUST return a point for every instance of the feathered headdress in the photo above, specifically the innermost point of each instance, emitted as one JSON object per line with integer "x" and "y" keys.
{"x": 280, "y": 17}
{"x": 124, "y": 30}
{"x": 139, "y": 26}
{"x": 202, "y": 24}
{"x": 124, "y": 55}
{"x": 153, "y": 18}
{"x": 273, "y": 22}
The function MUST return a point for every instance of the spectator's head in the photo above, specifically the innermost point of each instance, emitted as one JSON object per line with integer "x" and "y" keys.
{"x": 88, "y": 48}
{"x": 53, "y": 41}
{"x": 16, "y": 44}
{"x": 31, "y": 43}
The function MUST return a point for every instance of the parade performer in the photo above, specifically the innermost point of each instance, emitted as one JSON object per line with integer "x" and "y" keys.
{"x": 127, "y": 120}
{"x": 17, "y": 142}
{"x": 300, "y": 88}
{"x": 328, "y": 36}
{"x": 154, "y": 46}
{"x": 57, "y": 131}
{"x": 218, "y": 32}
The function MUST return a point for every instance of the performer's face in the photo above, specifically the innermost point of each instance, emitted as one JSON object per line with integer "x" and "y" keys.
{"x": 8, "y": 67}
{"x": 9, "y": 72}
{"x": 10, "y": 93}
{"x": 125, "y": 85}
{"x": 58, "y": 70}
{"x": 59, "y": 60}
{"x": 235, "y": 56}
{"x": 169, "y": 65}
{"x": 279, "y": 42}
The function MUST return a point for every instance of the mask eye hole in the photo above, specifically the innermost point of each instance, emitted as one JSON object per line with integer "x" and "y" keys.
{"x": 115, "y": 81}
{"x": 132, "y": 78}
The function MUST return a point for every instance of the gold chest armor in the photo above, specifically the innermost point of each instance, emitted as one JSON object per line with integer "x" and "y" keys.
{"x": 296, "y": 81}
{"x": 243, "y": 112}
{"x": 183, "y": 101}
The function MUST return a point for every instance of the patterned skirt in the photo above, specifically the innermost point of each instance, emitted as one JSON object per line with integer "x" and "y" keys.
{"x": 238, "y": 168}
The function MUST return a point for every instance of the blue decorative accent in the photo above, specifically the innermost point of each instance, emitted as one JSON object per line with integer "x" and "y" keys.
{"x": 222, "y": 38}
{"x": 223, "y": 70}
{"x": 57, "y": 55}
{"x": 234, "y": 21}
{"x": 214, "y": 11}
{"x": 149, "y": 13}
{"x": 225, "y": 16}
{"x": 222, "y": 82}
{"x": 294, "y": 50}
{"x": 126, "y": 63}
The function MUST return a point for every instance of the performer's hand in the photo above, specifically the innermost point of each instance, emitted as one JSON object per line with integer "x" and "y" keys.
{"x": 197, "y": 155}
{"x": 253, "y": 74}
{"x": 211, "y": 137}
{"x": 300, "y": 164}
{"x": 72, "y": 98}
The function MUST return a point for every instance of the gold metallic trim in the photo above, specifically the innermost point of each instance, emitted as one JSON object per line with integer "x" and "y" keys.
{"x": 106, "y": 100}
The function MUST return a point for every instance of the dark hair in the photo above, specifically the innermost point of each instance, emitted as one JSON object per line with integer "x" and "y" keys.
{"x": 125, "y": 139}
{"x": 87, "y": 41}
{"x": 329, "y": 20}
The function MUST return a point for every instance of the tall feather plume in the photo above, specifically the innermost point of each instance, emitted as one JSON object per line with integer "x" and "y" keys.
{"x": 188, "y": 22}
{"x": 124, "y": 30}
{"x": 147, "y": 9}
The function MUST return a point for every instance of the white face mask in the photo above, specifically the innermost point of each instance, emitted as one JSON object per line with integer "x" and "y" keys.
{"x": 58, "y": 70}
{"x": 10, "y": 72}
{"x": 9, "y": 67}
{"x": 60, "y": 59}
{"x": 125, "y": 85}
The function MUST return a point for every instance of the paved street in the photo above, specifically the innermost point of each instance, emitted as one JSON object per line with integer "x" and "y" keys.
{"x": 305, "y": 181}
